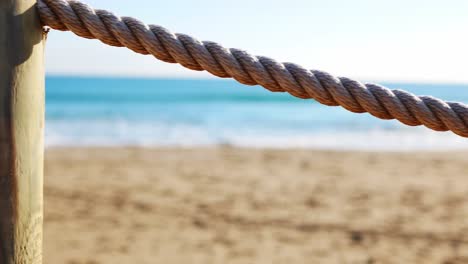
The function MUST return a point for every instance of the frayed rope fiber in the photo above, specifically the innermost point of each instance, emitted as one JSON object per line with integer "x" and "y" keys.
{"x": 381, "y": 102}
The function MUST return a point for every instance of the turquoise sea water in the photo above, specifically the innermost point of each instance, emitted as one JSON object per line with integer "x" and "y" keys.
{"x": 163, "y": 112}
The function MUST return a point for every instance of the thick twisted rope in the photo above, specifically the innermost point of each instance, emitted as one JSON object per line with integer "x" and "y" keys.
{"x": 191, "y": 53}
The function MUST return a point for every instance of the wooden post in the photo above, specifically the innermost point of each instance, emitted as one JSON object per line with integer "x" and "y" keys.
{"x": 21, "y": 132}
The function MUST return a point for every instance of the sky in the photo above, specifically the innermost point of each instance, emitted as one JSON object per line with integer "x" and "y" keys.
{"x": 373, "y": 40}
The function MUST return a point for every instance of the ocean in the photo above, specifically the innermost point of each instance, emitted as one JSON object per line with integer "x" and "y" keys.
{"x": 187, "y": 113}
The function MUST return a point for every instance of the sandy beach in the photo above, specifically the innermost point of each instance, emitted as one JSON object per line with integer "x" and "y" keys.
{"x": 230, "y": 205}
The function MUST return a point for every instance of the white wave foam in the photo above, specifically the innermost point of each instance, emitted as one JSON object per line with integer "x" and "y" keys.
{"x": 124, "y": 133}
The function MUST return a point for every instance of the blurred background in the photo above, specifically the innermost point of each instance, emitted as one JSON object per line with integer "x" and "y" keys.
{"x": 150, "y": 161}
{"x": 129, "y": 99}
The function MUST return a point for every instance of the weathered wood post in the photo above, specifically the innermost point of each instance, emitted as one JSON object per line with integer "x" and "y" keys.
{"x": 21, "y": 132}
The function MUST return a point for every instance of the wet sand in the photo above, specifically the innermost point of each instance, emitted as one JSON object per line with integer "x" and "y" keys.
{"x": 228, "y": 205}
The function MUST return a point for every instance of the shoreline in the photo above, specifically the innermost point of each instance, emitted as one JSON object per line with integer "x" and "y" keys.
{"x": 234, "y": 147}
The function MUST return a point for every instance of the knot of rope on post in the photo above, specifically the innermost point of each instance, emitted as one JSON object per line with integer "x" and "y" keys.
{"x": 357, "y": 97}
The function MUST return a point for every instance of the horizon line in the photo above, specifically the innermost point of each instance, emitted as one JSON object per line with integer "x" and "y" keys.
{"x": 214, "y": 78}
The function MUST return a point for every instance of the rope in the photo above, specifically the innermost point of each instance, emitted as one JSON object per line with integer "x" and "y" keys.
{"x": 381, "y": 102}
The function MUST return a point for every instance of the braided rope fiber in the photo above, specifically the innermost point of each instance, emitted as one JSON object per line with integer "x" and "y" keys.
{"x": 381, "y": 102}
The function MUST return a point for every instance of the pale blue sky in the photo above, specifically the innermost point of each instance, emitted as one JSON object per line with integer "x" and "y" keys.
{"x": 399, "y": 40}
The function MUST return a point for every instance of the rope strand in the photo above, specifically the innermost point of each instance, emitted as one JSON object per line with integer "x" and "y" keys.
{"x": 379, "y": 101}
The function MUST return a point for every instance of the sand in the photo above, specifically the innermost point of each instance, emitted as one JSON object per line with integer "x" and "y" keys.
{"x": 228, "y": 205}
